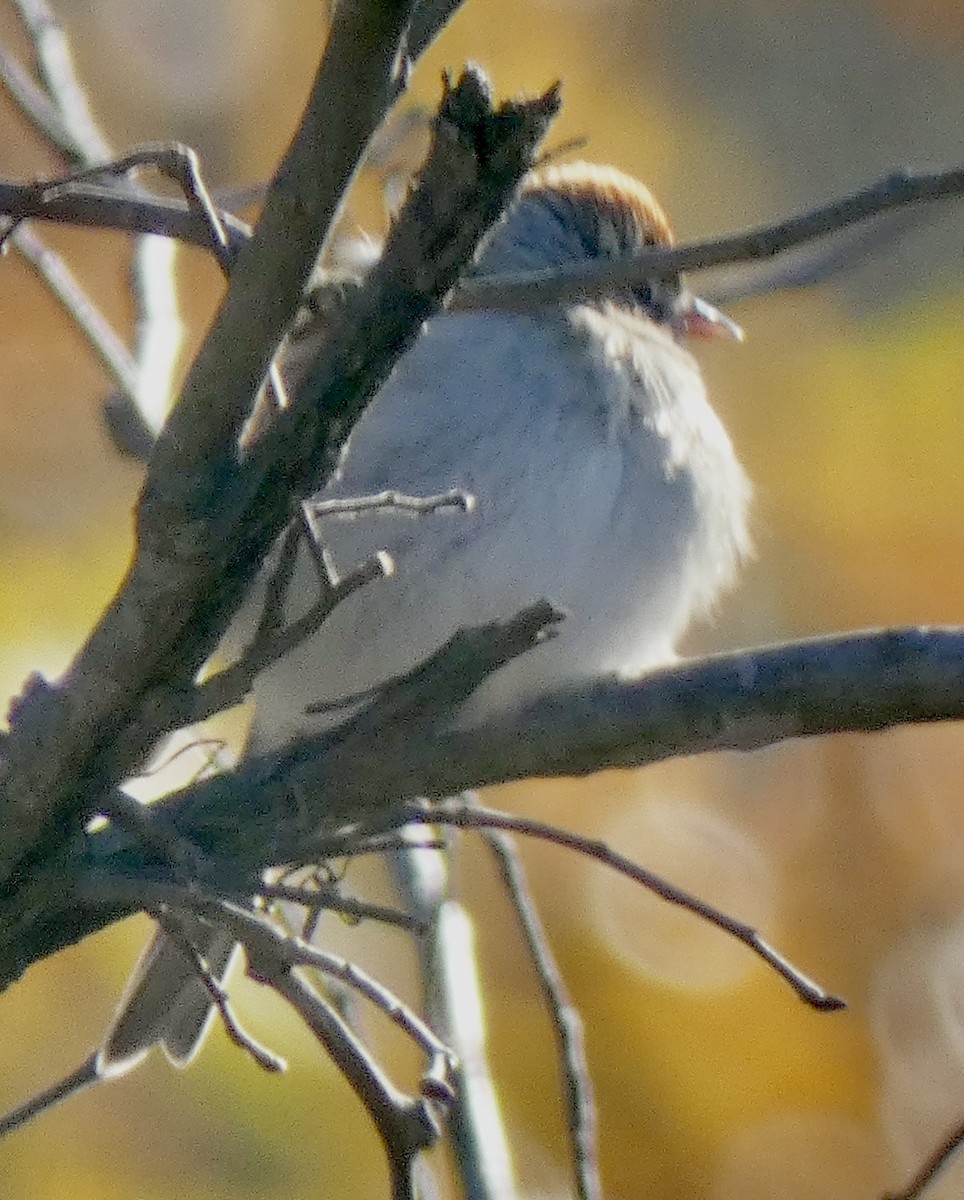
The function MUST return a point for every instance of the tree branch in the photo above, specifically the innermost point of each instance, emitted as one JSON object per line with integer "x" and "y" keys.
{"x": 205, "y": 519}
{"x": 299, "y": 804}
{"x": 90, "y": 205}
{"x": 97, "y": 206}
{"x": 583, "y": 280}
{"x": 745, "y": 700}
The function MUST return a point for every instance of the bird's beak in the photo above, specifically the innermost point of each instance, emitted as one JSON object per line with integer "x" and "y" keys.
{"x": 695, "y": 318}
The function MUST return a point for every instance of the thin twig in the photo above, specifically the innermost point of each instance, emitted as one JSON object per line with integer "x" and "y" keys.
{"x": 350, "y": 844}
{"x": 158, "y": 327}
{"x": 63, "y": 115}
{"x": 392, "y": 501}
{"x": 85, "y": 1076}
{"x": 99, "y": 206}
{"x": 326, "y": 899}
{"x": 567, "y": 1024}
{"x": 406, "y": 1126}
{"x": 465, "y": 816}
{"x": 453, "y": 1003}
{"x": 174, "y": 931}
{"x": 154, "y": 272}
{"x": 301, "y": 954}
{"x": 34, "y": 103}
{"x": 231, "y": 685}
{"x": 216, "y": 758}
{"x": 87, "y": 144}
{"x": 848, "y": 250}
{"x": 932, "y": 1167}
{"x": 78, "y": 305}
{"x": 178, "y": 163}
{"x": 274, "y": 640}
{"x": 271, "y": 620}
{"x": 314, "y": 541}
{"x": 582, "y": 280}
{"x": 104, "y": 208}
{"x": 270, "y": 950}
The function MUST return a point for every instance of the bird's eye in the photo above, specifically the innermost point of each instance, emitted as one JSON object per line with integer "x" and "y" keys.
{"x": 643, "y": 295}
{"x": 656, "y": 298}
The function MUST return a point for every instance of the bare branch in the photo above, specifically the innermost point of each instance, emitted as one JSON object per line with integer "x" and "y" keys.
{"x": 467, "y": 816}
{"x": 205, "y": 519}
{"x": 744, "y": 700}
{"x": 81, "y": 309}
{"x": 816, "y": 262}
{"x": 158, "y": 331}
{"x": 97, "y": 206}
{"x": 362, "y": 60}
{"x": 738, "y": 701}
{"x": 406, "y": 1125}
{"x": 177, "y": 162}
{"x": 328, "y": 899}
{"x": 932, "y": 1167}
{"x": 63, "y": 116}
{"x": 353, "y": 976}
{"x": 577, "y": 1089}
{"x": 85, "y": 1076}
{"x": 452, "y": 990}
{"x": 82, "y": 140}
{"x": 586, "y": 279}
{"x": 428, "y": 20}
{"x": 265, "y": 1058}
{"x": 33, "y": 102}
{"x": 400, "y": 745}
{"x": 230, "y": 686}
{"x": 577, "y": 281}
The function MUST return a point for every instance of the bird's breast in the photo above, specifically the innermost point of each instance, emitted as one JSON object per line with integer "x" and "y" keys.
{"x": 585, "y": 447}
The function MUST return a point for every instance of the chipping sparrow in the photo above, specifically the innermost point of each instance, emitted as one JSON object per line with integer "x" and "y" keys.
{"x": 603, "y": 479}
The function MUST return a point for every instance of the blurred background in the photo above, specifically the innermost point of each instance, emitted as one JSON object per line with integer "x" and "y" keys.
{"x": 846, "y": 405}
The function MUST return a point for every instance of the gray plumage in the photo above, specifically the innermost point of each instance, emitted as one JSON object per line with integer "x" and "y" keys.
{"x": 603, "y": 479}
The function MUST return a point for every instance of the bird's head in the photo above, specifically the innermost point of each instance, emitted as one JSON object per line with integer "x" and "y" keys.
{"x": 577, "y": 212}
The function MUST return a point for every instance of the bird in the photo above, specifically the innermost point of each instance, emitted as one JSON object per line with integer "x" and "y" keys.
{"x": 602, "y": 479}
